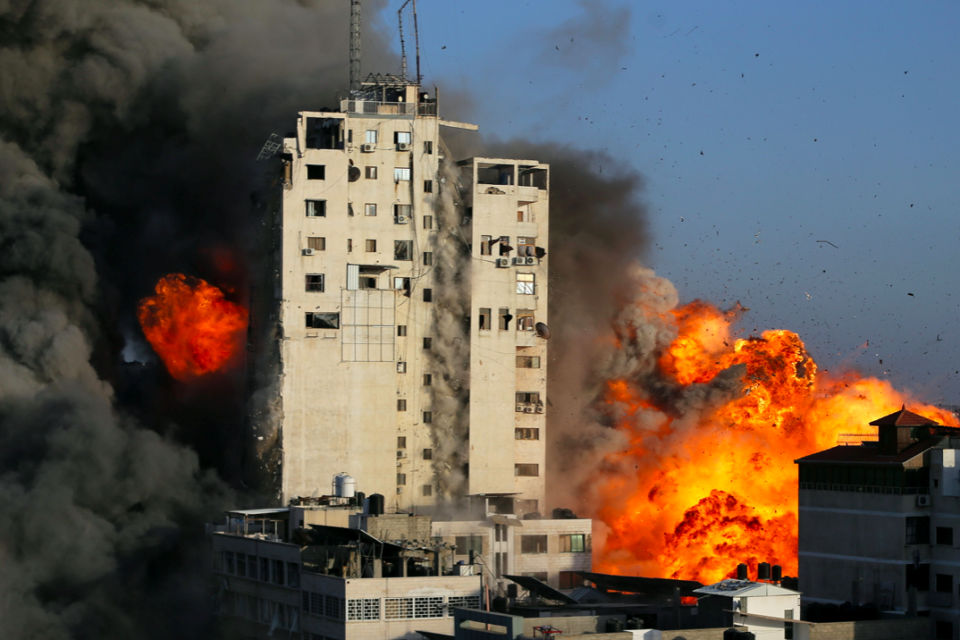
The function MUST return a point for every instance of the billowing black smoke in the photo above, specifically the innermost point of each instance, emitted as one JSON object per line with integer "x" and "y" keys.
{"x": 128, "y": 137}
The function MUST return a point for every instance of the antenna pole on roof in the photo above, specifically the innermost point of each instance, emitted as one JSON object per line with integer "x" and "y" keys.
{"x": 354, "y": 45}
{"x": 416, "y": 39}
{"x": 403, "y": 48}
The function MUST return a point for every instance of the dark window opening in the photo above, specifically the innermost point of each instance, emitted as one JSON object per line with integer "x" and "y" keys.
{"x": 504, "y": 319}
{"x": 428, "y": 186}
{"x": 526, "y": 434}
{"x": 428, "y": 146}
{"x": 945, "y": 583}
{"x": 401, "y": 405}
{"x": 317, "y": 320}
{"x": 428, "y": 454}
{"x": 401, "y": 442}
{"x": 533, "y": 177}
{"x": 403, "y": 249}
{"x": 315, "y": 282}
{"x": 316, "y": 208}
{"x": 505, "y": 247}
{"x": 427, "y": 417}
{"x": 570, "y": 580}
{"x": 485, "y": 243}
{"x": 945, "y": 535}
{"x": 427, "y": 379}
{"x": 427, "y": 258}
{"x": 316, "y": 172}
{"x": 528, "y": 362}
{"x": 324, "y": 133}
{"x": 371, "y": 173}
{"x": 918, "y": 530}
{"x": 428, "y": 295}
{"x": 500, "y": 174}
{"x": 533, "y": 544}
{"x": 401, "y": 479}
{"x": 402, "y": 285}
{"x": 466, "y": 544}
{"x": 484, "y": 324}
{"x": 918, "y": 577}
{"x": 427, "y": 490}
{"x": 427, "y": 343}
{"x": 401, "y": 330}
{"x": 527, "y": 470}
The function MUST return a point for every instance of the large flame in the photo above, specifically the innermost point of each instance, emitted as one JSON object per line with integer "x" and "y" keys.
{"x": 191, "y": 326}
{"x": 707, "y": 479}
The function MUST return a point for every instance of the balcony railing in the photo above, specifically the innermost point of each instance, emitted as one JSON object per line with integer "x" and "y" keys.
{"x": 859, "y": 488}
{"x": 369, "y": 107}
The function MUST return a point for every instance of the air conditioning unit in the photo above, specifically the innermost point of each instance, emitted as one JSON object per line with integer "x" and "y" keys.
{"x": 403, "y": 146}
{"x": 923, "y": 501}
{"x": 401, "y": 455}
{"x": 520, "y": 408}
{"x": 517, "y": 261}
{"x": 399, "y": 489}
{"x": 309, "y": 252}
{"x": 368, "y": 148}
{"x": 503, "y": 262}
{"x": 530, "y": 260}
{"x": 401, "y": 219}
{"x": 539, "y": 408}
{"x": 528, "y": 409}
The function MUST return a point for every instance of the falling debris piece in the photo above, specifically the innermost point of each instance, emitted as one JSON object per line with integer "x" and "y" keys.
{"x": 829, "y": 243}
{"x": 692, "y": 30}
{"x": 910, "y": 294}
{"x": 808, "y": 295}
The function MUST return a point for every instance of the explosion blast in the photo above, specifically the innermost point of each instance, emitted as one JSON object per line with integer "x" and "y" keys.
{"x": 191, "y": 326}
{"x": 711, "y": 435}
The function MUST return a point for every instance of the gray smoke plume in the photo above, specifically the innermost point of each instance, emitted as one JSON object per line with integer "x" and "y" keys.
{"x": 128, "y": 132}
{"x": 450, "y": 348}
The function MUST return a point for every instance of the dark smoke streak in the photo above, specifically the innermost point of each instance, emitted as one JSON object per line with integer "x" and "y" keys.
{"x": 128, "y": 132}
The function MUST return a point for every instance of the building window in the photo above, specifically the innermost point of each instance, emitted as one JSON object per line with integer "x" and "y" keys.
{"x": 371, "y": 246}
{"x": 533, "y": 544}
{"x": 524, "y": 398}
{"x": 788, "y": 626}
{"x": 426, "y": 490}
{"x": 401, "y": 173}
{"x": 428, "y": 454}
{"x": 466, "y": 544}
{"x": 401, "y": 367}
{"x": 363, "y": 609}
{"x": 525, "y": 246}
{"x": 943, "y": 630}
{"x": 427, "y": 258}
{"x": 316, "y": 208}
{"x": 427, "y": 417}
{"x": 402, "y": 285}
{"x": 428, "y": 146}
{"x": 370, "y": 209}
{"x": 918, "y": 576}
{"x": 401, "y": 442}
{"x": 526, "y": 283}
{"x": 528, "y": 362}
{"x": 918, "y": 530}
{"x": 367, "y": 281}
{"x": 485, "y": 245}
{"x": 403, "y": 249}
{"x": 526, "y": 470}
{"x": 403, "y": 137}
{"x": 428, "y": 222}
{"x": 401, "y": 404}
{"x": 428, "y": 295}
{"x": 504, "y": 319}
{"x": 944, "y": 583}
{"x": 264, "y": 570}
{"x": 371, "y": 173}
{"x": 316, "y": 172}
{"x": 293, "y": 575}
{"x": 349, "y": 245}
{"x": 317, "y": 244}
{"x": 401, "y": 330}
{"x": 525, "y": 320}
{"x": 572, "y": 543}
{"x": 277, "y": 572}
{"x": 427, "y": 379}
{"x": 484, "y": 324}
{"x": 945, "y": 535}
{"x": 371, "y": 137}
{"x": 505, "y": 247}
{"x": 315, "y": 282}
{"x": 333, "y": 607}
{"x": 402, "y": 213}
{"x": 242, "y": 565}
{"x": 570, "y": 580}
{"x": 427, "y": 343}
{"x": 526, "y": 434}
{"x": 428, "y": 186}
{"x": 229, "y": 562}
{"x": 402, "y": 479}
{"x": 318, "y": 320}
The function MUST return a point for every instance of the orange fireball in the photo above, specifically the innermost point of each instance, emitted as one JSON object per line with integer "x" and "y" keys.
{"x": 191, "y": 326}
{"x": 706, "y": 479}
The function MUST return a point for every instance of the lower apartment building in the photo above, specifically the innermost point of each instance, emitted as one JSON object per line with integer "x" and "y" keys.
{"x": 878, "y": 522}
{"x": 337, "y": 571}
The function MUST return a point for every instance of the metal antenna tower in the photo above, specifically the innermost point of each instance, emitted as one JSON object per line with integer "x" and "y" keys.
{"x": 354, "y": 45}
{"x": 416, "y": 38}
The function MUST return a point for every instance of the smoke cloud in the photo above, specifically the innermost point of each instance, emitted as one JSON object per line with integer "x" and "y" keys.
{"x": 128, "y": 137}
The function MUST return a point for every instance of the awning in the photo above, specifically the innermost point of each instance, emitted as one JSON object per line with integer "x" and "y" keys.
{"x": 541, "y": 589}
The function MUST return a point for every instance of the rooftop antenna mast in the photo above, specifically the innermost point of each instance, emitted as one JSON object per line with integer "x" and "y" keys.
{"x": 416, "y": 39}
{"x": 354, "y": 45}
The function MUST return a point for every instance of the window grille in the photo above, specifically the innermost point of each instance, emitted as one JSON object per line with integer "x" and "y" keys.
{"x": 429, "y": 607}
{"x": 316, "y": 604}
{"x": 462, "y": 602}
{"x": 397, "y": 608}
{"x": 333, "y": 607}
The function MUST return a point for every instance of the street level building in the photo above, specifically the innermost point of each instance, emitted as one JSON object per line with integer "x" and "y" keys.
{"x": 878, "y": 521}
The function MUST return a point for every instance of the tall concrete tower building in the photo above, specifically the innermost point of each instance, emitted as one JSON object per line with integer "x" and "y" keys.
{"x": 411, "y": 294}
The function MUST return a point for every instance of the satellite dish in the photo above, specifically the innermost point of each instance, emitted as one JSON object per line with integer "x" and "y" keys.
{"x": 353, "y": 174}
{"x": 543, "y": 331}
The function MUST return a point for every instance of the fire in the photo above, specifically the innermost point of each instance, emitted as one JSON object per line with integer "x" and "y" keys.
{"x": 191, "y": 326}
{"x": 706, "y": 479}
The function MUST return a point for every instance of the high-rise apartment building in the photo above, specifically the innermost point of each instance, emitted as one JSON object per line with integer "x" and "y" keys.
{"x": 412, "y": 305}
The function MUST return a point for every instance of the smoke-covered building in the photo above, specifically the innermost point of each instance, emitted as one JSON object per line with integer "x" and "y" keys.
{"x": 878, "y": 520}
{"x": 411, "y": 294}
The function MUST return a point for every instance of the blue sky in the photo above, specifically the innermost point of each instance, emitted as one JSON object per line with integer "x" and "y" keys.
{"x": 761, "y": 128}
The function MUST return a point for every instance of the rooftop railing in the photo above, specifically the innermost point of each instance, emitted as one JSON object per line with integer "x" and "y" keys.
{"x": 369, "y": 107}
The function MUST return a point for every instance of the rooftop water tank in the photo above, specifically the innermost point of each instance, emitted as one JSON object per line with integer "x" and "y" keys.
{"x": 344, "y": 486}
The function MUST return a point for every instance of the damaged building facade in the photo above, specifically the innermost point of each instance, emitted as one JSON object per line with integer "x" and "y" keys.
{"x": 411, "y": 294}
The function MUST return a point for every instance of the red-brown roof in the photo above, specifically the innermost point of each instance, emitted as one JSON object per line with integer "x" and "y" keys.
{"x": 903, "y": 418}
{"x": 868, "y": 454}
